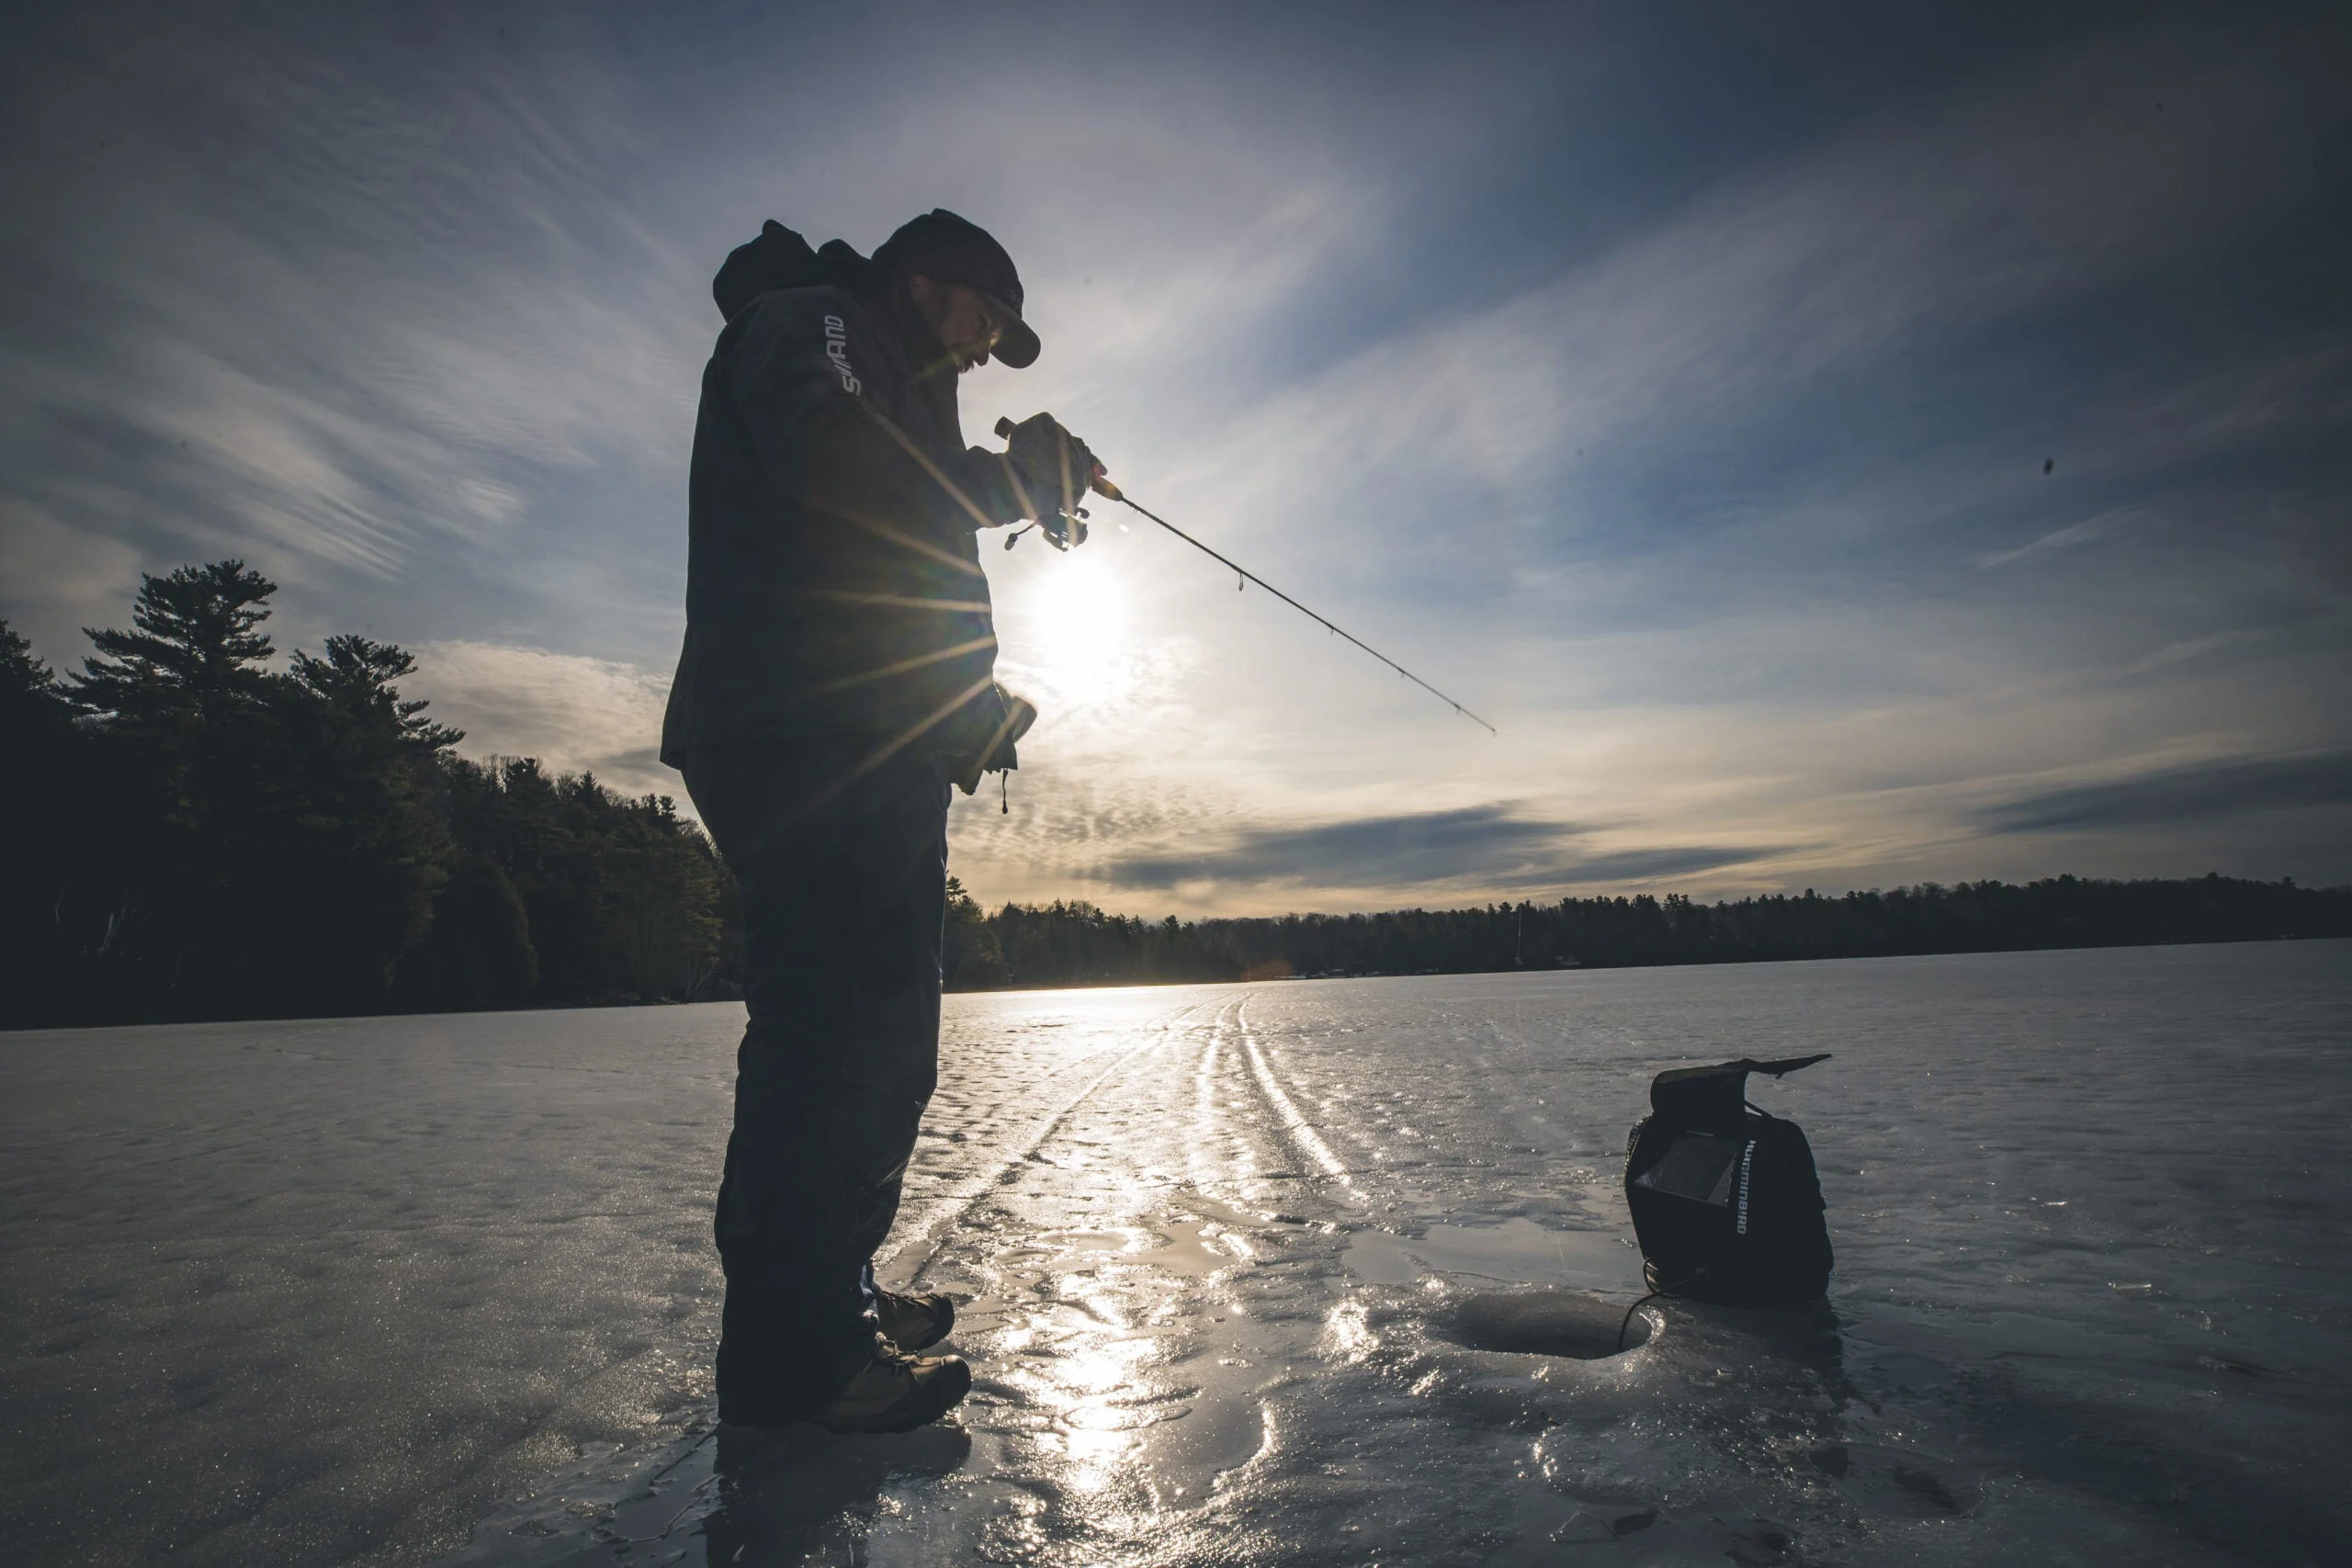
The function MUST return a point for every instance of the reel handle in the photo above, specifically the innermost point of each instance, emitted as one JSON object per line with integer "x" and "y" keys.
{"x": 1098, "y": 484}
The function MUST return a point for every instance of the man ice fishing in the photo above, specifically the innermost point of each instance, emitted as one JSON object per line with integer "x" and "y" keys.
{"x": 837, "y": 676}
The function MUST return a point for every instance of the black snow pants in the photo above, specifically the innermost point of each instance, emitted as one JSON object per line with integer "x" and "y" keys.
{"x": 844, "y": 895}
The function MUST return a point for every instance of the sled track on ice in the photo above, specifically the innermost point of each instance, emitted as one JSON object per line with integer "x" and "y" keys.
{"x": 930, "y": 1233}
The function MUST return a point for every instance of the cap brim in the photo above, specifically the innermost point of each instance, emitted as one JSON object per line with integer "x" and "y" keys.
{"x": 1018, "y": 348}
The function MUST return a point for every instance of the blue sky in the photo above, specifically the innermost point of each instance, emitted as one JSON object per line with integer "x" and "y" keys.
{"x": 1673, "y": 384}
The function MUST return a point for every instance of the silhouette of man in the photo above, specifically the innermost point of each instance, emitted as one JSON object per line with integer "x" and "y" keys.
{"x": 837, "y": 676}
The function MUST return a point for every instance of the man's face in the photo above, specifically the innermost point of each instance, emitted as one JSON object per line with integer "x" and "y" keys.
{"x": 966, "y": 325}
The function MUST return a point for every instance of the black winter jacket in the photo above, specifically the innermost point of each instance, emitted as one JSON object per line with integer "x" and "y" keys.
{"x": 833, "y": 583}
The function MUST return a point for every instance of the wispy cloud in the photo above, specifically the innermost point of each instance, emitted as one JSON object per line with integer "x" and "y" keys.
{"x": 2194, "y": 793}
{"x": 290, "y": 331}
{"x": 1461, "y": 851}
{"x": 1490, "y": 842}
{"x": 83, "y": 581}
{"x": 2188, "y": 648}
{"x": 575, "y": 714}
{"x": 2074, "y": 534}
{"x": 1905, "y": 232}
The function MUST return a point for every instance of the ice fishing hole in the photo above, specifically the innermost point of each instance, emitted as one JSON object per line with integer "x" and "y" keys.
{"x": 1547, "y": 1323}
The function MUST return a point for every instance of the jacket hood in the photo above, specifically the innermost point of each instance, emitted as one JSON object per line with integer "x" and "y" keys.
{"x": 780, "y": 258}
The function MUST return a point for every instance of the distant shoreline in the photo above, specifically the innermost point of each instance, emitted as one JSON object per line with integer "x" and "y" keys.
{"x": 623, "y": 1000}
{"x": 1066, "y": 945}
{"x": 1605, "y": 968}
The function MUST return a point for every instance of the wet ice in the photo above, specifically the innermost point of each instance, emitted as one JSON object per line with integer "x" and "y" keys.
{"x": 387, "y": 1290}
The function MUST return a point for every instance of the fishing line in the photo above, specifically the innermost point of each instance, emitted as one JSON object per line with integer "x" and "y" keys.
{"x": 1628, "y": 1323}
{"x": 1242, "y": 574}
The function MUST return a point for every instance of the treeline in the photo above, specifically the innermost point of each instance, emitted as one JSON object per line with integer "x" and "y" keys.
{"x": 1078, "y": 944}
{"x": 191, "y": 834}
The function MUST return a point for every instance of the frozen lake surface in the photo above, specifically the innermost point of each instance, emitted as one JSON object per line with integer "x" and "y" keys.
{"x": 405, "y": 1290}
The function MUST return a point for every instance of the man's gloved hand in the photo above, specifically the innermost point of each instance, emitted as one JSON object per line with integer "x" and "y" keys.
{"x": 1015, "y": 713}
{"x": 1051, "y": 472}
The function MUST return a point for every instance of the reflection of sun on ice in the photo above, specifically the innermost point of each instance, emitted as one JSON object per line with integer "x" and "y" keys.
{"x": 1071, "y": 631}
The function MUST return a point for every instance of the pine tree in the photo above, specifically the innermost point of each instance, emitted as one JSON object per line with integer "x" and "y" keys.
{"x": 196, "y": 654}
{"x": 29, "y": 695}
{"x": 360, "y": 848}
{"x": 664, "y": 895}
{"x": 357, "y": 679}
{"x": 172, "y": 919}
{"x": 971, "y": 958}
{"x": 47, "y": 794}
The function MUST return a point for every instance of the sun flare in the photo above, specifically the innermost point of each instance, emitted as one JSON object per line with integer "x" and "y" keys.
{"x": 1074, "y": 632}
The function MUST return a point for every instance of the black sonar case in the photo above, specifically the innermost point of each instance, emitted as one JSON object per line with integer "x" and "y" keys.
{"x": 1726, "y": 1203}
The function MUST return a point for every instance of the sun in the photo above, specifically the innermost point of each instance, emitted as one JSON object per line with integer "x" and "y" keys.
{"x": 1073, "y": 631}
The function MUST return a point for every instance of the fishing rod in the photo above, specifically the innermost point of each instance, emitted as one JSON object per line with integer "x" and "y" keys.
{"x": 1109, "y": 492}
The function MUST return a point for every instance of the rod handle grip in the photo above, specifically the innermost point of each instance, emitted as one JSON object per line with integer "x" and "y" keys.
{"x": 1098, "y": 484}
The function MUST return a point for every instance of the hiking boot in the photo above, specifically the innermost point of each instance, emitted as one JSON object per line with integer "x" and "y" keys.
{"x": 914, "y": 1323}
{"x": 895, "y": 1394}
